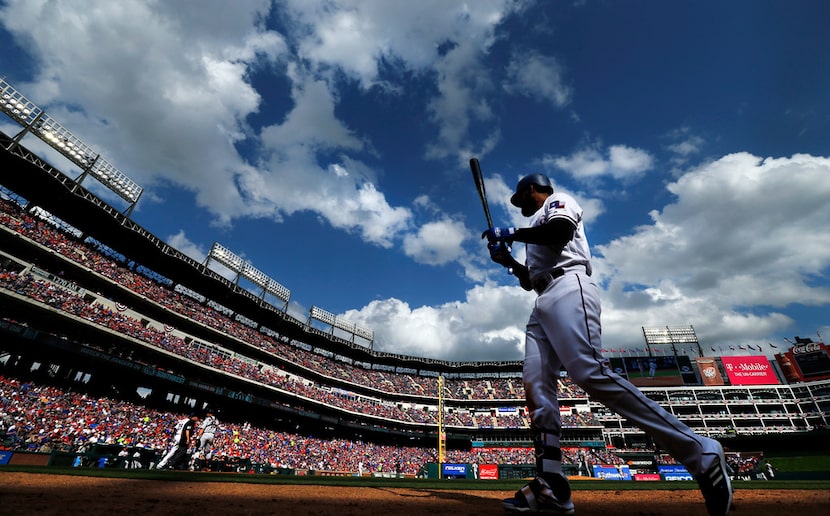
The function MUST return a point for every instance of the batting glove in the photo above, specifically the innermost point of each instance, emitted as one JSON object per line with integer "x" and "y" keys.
{"x": 500, "y": 253}
{"x": 499, "y": 234}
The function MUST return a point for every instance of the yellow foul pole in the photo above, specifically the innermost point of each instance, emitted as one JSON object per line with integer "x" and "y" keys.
{"x": 442, "y": 437}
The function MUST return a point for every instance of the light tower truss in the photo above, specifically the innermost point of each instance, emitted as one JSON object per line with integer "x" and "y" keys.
{"x": 670, "y": 335}
{"x": 243, "y": 269}
{"x": 318, "y": 314}
{"x": 37, "y": 122}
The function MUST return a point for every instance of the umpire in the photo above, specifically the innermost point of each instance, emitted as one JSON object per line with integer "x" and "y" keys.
{"x": 185, "y": 431}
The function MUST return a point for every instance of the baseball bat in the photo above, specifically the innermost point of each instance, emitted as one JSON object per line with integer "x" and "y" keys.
{"x": 482, "y": 194}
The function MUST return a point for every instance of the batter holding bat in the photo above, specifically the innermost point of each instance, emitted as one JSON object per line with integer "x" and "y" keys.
{"x": 564, "y": 330}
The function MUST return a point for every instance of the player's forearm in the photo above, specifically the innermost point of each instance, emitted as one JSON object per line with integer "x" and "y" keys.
{"x": 556, "y": 232}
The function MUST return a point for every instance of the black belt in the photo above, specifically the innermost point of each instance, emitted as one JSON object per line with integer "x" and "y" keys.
{"x": 541, "y": 283}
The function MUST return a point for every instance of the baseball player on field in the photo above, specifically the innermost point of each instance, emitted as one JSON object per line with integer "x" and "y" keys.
{"x": 564, "y": 330}
{"x": 207, "y": 431}
{"x": 205, "y": 435}
{"x": 184, "y": 435}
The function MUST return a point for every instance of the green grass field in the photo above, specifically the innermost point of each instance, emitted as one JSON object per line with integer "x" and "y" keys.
{"x": 788, "y": 464}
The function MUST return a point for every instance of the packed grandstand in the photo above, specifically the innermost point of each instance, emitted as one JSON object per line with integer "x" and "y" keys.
{"x": 108, "y": 336}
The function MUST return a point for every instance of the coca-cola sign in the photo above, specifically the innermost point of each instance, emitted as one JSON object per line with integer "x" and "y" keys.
{"x": 808, "y": 348}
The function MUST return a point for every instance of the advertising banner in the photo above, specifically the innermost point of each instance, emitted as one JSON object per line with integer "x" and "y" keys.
{"x": 813, "y": 360}
{"x": 488, "y": 472}
{"x": 454, "y": 471}
{"x": 647, "y": 477}
{"x": 753, "y": 370}
{"x": 791, "y": 372}
{"x": 607, "y": 472}
{"x": 709, "y": 372}
{"x": 672, "y": 468}
{"x": 640, "y": 462}
{"x": 674, "y": 472}
{"x": 5, "y": 456}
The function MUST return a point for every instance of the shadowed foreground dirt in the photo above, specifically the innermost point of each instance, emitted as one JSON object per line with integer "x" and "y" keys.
{"x": 26, "y": 493}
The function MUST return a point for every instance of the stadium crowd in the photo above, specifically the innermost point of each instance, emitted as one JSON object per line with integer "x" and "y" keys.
{"x": 220, "y": 319}
{"x": 42, "y": 418}
{"x": 68, "y": 301}
{"x": 497, "y": 388}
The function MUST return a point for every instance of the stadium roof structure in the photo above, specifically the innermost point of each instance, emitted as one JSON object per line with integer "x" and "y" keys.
{"x": 37, "y": 122}
{"x": 43, "y": 185}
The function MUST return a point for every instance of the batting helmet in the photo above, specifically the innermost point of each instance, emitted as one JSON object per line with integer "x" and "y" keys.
{"x": 526, "y": 181}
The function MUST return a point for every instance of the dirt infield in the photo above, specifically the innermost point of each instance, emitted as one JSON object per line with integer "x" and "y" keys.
{"x": 27, "y": 493}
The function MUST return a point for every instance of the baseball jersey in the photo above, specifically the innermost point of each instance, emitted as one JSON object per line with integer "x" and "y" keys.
{"x": 182, "y": 426}
{"x": 545, "y": 258}
{"x": 209, "y": 425}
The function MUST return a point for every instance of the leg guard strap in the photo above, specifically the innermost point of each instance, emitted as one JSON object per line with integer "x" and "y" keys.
{"x": 548, "y": 454}
{"x": 537, "y": 492}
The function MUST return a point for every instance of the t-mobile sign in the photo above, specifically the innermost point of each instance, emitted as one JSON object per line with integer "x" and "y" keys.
{"x": 754, "y": 370}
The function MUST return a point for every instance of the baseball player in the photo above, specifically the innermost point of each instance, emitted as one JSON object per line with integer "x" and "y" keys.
{"x": 181, "y": 440}
{"x": 206, "y": 433}
{"x": 207, "y": 430}
{"x": 564, "y": 330}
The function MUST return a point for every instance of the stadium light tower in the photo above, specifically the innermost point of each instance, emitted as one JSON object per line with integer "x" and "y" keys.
{"x": 226, "y": 257}
{"x": 268, "y": 285}
{"x": 36, "y": 121}
{"x": 367, "y": 334}
{"x": 318, "y": 314}
{"x": 279, "y": 292}
{"x": 243, "y": 269}
{"x": 671, "y": 335}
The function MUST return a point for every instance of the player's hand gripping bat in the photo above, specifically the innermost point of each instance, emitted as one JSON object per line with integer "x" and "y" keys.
{"x": 499, "y": 251}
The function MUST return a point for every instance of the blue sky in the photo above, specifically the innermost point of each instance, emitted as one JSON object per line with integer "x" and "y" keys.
{"x": 326, "y": 142}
